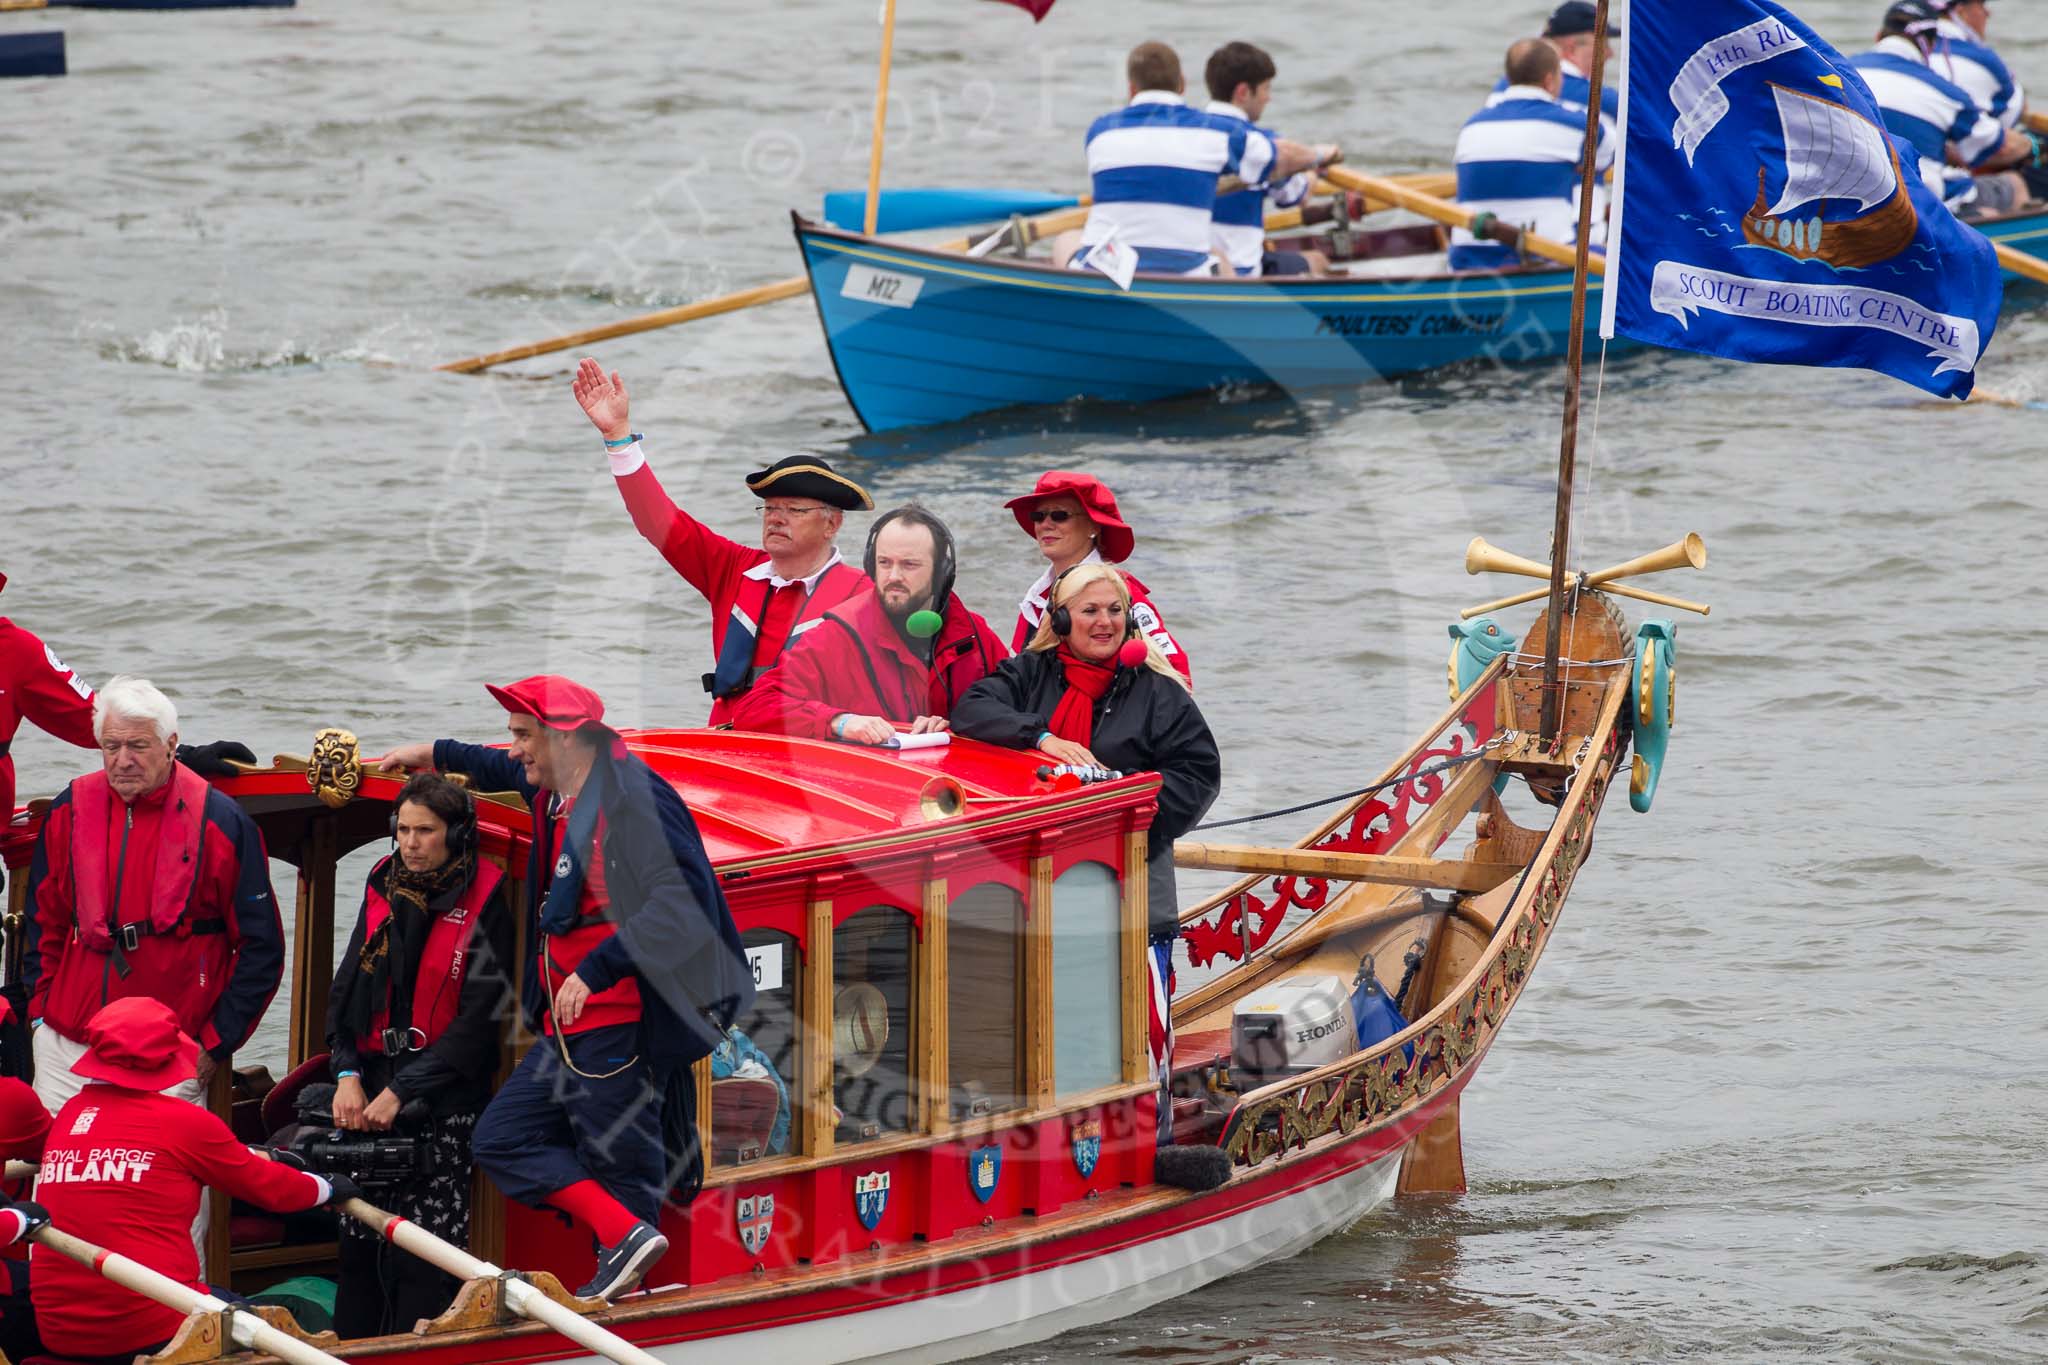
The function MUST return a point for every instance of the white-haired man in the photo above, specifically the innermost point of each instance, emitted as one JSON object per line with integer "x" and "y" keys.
{"x": 146, "y": 881}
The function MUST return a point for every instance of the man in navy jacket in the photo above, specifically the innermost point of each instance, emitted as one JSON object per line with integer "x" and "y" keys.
{"x": 637, "y": 971}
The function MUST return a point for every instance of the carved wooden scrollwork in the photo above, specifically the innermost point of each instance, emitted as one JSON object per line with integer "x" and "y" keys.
{"x": 334, "y": 772}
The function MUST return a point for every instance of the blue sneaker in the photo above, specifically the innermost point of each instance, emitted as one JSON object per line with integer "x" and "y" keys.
{"x": 620, "y": 1268}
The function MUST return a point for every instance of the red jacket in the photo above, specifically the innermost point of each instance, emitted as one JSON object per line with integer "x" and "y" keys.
{"x": 37, "y": 685}
{"x": 1150, "y": 623}
{"x": 125, "y": 1169}
{"x": 857, "y": 661}
{"x": 720, "y": 568}
{"x": 214, "y": 948}
{"x": 24, "y": 1123}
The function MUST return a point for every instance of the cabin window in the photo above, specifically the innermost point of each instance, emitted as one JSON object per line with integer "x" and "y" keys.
{"x": 753, "y": 1073}
{"x": 1087, "y": 979}
{"x": 871, "y": 1022}
{"x": 984, "y": 975}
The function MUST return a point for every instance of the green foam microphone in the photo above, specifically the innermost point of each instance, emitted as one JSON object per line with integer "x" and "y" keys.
{"x": 924, "y": 624}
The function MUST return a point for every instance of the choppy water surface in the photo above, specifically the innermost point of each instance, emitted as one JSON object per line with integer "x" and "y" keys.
{"x": 1775, "y": 1092}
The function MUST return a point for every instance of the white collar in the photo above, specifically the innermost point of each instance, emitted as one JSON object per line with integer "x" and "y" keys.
{"x": 1228, "y": 110}
{"x": 1527, "y": 92}
{"x": 1033, "y": 605}
{"x": 1899, "y": 45}
{"x": 1570, "y": 68}
{"x": 766, "y": 570}
{"x": 1156, "y": 97}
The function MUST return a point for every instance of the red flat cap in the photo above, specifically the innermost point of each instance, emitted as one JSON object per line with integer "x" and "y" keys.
{"x": 1113, "y": 537}
{"x": 554, "y": 701}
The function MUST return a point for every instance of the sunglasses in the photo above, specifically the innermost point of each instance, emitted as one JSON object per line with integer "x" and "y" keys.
{"x": 1058, "y": 516}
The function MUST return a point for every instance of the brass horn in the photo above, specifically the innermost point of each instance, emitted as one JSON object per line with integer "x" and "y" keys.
{"x": 1690, "y": 553}
{"x": 942, "y": 798}
{"x": 1481, "y": 557}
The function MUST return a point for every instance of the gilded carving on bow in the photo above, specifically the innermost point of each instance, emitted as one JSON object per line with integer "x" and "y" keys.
{"x": 334, "y": 772}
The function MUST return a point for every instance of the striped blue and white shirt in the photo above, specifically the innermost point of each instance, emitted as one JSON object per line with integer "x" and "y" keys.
{"x": 1578, "y": 88}
{"x": 1931, "y": 113}
{"x": 1240, "y": 220}
{"x": 1969, "y": 62}
{"x": 1518, "y": 159}
{"x": 1154, "y": 165}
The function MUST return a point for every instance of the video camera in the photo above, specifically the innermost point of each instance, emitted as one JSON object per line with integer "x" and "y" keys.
{"x": 375, "y": 1161}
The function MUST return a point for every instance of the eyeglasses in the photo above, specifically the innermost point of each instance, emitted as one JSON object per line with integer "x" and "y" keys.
{"x": 765, "y": 510}
{"x": 1058, "y": 516}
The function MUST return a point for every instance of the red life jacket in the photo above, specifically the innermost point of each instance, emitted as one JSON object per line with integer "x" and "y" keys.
{"x": 175, "y": 885}
{"x": 444, "y": 961}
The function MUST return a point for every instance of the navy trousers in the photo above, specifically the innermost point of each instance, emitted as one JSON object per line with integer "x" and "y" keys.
{"x": 550, "y": 1127}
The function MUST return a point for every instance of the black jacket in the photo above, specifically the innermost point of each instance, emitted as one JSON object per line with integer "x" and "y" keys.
{"x": 1146, "y": 722}
{"x": 454, "y": 1074}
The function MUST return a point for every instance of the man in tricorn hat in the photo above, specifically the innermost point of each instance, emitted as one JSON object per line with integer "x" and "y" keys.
{"x": 637, "y": 971}
{"x": 37, "y": 685}
{"x": 761, "y": 599}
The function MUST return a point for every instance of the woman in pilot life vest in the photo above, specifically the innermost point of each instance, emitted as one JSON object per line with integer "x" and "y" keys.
{"x": 414, "y": 1023}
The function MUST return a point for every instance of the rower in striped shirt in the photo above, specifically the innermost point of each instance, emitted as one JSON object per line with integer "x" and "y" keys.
{"x": 1155, "y": 165}
{"x": 1518, "y": 160}
{"x": 1240, "y": 81}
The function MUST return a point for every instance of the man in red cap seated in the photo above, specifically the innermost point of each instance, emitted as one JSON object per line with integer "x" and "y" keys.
{"x": 125, "y": 1166}
{"x": 903, "y": 654}
{"x": 637, "y": 972}
{"x": 147, "y": 882}
{"x": 1074, "y": 519}
{"x": 761, "y": 599}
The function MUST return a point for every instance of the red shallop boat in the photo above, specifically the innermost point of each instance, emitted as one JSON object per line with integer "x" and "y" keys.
{"x": 940, "y": 1135}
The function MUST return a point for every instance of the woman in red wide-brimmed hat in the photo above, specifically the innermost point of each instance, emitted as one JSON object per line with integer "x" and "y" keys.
{"x": 1074, "y": 519}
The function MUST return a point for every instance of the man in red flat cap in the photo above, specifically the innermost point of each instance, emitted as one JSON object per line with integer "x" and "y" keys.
{"x": 637, "y": 972}
{"x": 761, "y": 599}
{"x": 902, "y": 655}
{"x": 1074, "y": 519}
{"x": 125, "y": 1166}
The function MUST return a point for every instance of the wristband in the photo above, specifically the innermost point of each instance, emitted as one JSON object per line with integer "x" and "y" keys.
{"x": 348, "y": 1075}
{"x": 621, "y": 445}
{"x": 839, "y": 725}
{"x": 1043, "y": 736}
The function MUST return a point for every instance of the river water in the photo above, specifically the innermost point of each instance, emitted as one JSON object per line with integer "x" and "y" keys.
{"x": 1775, "y": 1091}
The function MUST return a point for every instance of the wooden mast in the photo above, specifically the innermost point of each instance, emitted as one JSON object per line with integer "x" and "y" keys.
{"x": 882, "y": 117}
{"x": 1574, "y": 358}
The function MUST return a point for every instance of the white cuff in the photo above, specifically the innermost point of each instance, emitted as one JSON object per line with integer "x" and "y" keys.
{"x": 326, "y": 1190}
{"x": 625, "y": 460}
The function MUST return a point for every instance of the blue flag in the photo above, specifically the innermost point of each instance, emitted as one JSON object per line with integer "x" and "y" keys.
{"x": 1764, "y": 214}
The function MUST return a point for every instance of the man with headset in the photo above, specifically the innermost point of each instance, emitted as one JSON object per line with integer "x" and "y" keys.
{"x": 637, "y": 971}
{"x": 415, "y": 1023}
{"x": 902, "y": 654}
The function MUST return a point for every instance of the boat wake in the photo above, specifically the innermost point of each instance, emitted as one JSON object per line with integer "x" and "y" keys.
{"x": 201, "y": 347}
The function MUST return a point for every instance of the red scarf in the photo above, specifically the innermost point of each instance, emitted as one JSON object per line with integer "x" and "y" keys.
{"x": 1074, "y": 717}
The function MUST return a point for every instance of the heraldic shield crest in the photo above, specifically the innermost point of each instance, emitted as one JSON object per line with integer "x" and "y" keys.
{"x": 754, "y": 1216}
{"x": 1087, "y": 1140}
{"x": 984, "y": 1170}
{"x": 870, "y": 1198}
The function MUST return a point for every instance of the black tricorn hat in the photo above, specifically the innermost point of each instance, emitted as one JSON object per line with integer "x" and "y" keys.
{"x": 807, "y": 476}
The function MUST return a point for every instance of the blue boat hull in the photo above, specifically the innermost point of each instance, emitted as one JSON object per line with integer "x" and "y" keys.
{"x": 921, "y": 337}
{"x": 32, "y": 54}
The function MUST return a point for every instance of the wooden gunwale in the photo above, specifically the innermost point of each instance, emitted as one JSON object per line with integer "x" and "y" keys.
{"x": 1350, "y": 808}
{"x": 1598, "y": 762}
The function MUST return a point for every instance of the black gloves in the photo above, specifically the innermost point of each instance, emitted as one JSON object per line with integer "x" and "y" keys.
{"x": 34, "y": 1217}
{"x": 210, "y": 760}
{"x": 344, "y": 1190}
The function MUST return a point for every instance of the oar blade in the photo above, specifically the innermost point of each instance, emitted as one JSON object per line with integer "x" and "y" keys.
{"x": 908, "y": 210}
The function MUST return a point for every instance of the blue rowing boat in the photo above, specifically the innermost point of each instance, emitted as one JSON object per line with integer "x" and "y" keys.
{"x": 920, "y": 336}
{"x": 32, "y": 54}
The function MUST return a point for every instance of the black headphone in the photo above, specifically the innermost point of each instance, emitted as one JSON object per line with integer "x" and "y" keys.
{"x": 1063, "y": 619}
{"x": 461, "y": 834}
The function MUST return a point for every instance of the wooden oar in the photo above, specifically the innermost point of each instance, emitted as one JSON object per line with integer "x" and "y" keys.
{"x": 2021, "y": 264}
{"x": 2036, "y": 123}
{"x": 1043, "y": 225}
{"x": 521, "y": 1297}
{"x": 1449, "y": 214}
{"x": 245, "y": 1327}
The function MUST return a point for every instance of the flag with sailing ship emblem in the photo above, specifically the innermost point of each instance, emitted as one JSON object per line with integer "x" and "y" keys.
{"x": 1763, "y": 213}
